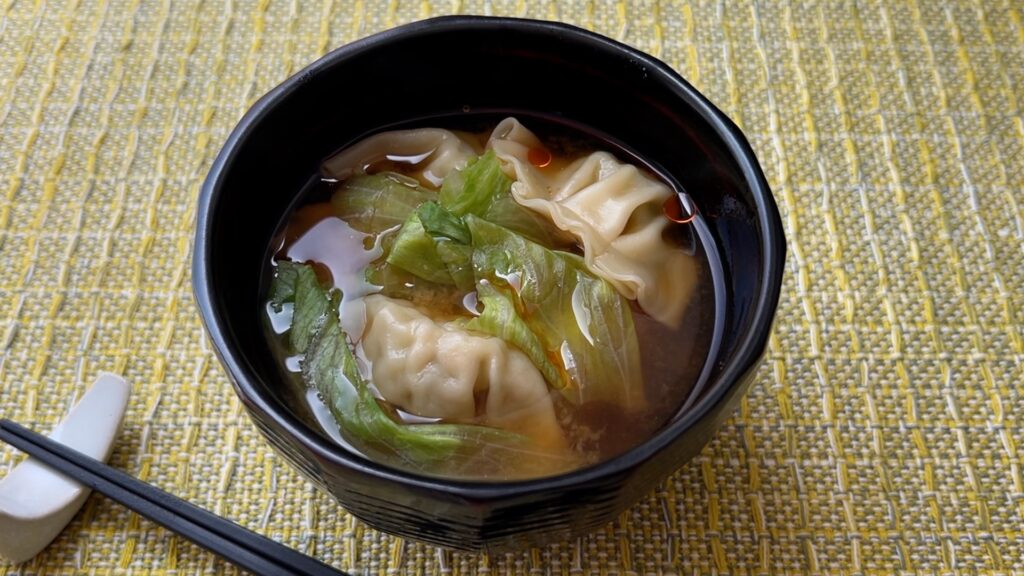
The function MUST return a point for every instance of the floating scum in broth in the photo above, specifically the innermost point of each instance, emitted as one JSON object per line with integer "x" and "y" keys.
{"x": 488, "y": 305}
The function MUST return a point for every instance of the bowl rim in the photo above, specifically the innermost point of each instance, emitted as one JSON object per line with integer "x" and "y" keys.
{"x": 746, "y": 357}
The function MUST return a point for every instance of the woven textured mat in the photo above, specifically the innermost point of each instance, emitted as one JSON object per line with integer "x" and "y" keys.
{"x": 883, "y": 434}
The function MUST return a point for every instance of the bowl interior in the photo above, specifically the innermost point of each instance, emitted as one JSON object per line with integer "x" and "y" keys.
{"x": 394, "y": 78}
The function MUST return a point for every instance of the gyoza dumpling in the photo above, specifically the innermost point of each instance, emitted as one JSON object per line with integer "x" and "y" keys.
{"x": 442, "y": 371}
{"x": 614, "y": 210}
{"x": 437, "y": 151}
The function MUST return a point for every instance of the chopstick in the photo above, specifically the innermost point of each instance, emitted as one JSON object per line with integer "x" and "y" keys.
{"x": 240, "y": 546}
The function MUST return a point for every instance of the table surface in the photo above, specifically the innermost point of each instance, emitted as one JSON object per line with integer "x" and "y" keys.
{"x": 883, "y": 434}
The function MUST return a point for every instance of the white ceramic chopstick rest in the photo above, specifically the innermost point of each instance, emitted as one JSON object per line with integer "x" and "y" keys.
{"x": 36, "y": 503}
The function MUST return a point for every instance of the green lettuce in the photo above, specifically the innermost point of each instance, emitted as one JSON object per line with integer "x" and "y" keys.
{"x": 458, "y": 259}
{"x": 374, "y": 203}
{"x": 282, "y": 289}
{"x": 330, "y": 368}
{"x": 311, "y": 305}
{"x": 415, "y": 251}
{"x": 575, "y": 327}
{"x": 473, "y": 189}
{"x": 577, "y": 317}
{"x": 440, "y": 223}
{"x": 433, "y": 244}
{"x": 499, "y": 318}
{"x": 482, "y": 189}
{"x": 451, "y": 242}
{"x": 508, "y": 213}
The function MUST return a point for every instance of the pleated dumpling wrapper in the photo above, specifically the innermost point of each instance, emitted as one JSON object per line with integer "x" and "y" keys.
{"x": 614, "y": 210}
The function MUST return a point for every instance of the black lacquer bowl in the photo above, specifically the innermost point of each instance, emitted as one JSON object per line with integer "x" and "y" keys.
{"x": 460, "y": 65}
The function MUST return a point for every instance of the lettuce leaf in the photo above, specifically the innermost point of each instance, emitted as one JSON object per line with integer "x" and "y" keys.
{"x": 374, "y": 203}
{"x": 433, "y": 244}
{"x": 330, "y": 368}
{"x": 507, "y": 213}
{"x": 499, "y": 318}
{"x": 482, "y": 189}
{"x": 282, "y": 289}
{"x": 458, "y": 259}
{"x": 440, "y": 222}
{"x": 472, "y": 189}
{"x": 577, "y": 317}
{"x": 311, "y": 306}
{"x": 397, "y": 283}
{"x": 415, "y": 251}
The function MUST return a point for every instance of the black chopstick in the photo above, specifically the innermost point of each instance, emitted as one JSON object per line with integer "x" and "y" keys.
{"x": 240, "y": 546}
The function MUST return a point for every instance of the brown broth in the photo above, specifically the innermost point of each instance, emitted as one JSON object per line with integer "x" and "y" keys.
{"x": 673, "y": 359}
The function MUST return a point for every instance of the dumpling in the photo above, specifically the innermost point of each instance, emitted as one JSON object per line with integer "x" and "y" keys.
{"x": 442, "y": 371}
{"x": 614, "y": 210}
{"x": 437, "y": 151}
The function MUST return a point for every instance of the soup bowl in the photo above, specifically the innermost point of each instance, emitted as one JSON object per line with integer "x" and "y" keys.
{"x": 464, "y": 65}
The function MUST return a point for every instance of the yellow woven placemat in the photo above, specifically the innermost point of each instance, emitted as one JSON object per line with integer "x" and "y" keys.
{"x": 882, "y": 436}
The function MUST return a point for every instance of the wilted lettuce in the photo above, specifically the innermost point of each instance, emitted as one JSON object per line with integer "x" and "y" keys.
{"x": 433, "y": 244}
{"x": 298, "y": 283}
{"x": 577, "y": 317}
{"x": 443, "y": 223}
{"x": 482, "y": 189}
{"x": 372, "y": 204}
{"x": 415, "y": 251}
{"x": 575, "y": 327}
{"x": 282, "y": 289}
{"x": 330, "y": 368}
{"x": 458, "y": 259}
{"x": 499, "y": 318}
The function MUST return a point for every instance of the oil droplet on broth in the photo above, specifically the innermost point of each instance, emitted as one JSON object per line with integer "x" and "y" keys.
{"x": 680, "y": 208}
{"x": 341, "y": 249}
{"x": 539, "y": 157}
